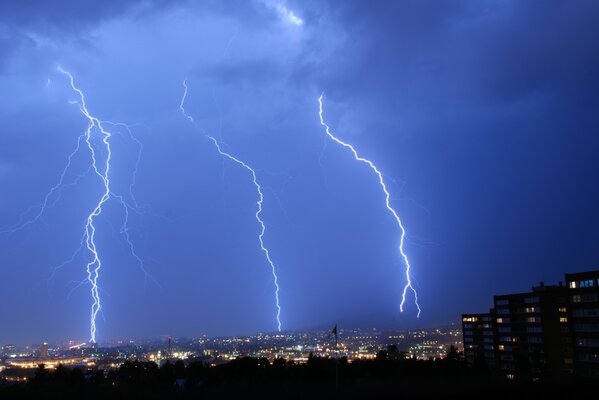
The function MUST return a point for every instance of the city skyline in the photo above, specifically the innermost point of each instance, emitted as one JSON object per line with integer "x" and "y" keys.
{"x": 477, "y": 122}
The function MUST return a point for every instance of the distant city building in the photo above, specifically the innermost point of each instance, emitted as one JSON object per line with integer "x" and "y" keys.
{"x": 552, "y": 331}
{"x": 44, "y": 350}
{"x": 9, "y": 349}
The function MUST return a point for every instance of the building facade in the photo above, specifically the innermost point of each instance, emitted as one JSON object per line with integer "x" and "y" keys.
{"x": 549, "y": 332}
{"x": 583, "y": 291}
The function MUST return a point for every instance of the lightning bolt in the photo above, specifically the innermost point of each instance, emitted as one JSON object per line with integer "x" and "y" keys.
{"x": 408, "y": 284}
{"x": 56, "y": 189}
{"x": 93, "y": 267}
{"x": 258, "y": 203}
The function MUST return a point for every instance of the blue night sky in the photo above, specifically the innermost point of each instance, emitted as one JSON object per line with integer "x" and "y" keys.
{"x": 482, "y": 116}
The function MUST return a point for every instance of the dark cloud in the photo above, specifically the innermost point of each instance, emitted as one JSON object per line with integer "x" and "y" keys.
{"x": 481, "y": 114}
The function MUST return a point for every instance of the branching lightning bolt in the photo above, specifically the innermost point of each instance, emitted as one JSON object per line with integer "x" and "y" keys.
{"x": 93, "y": 267}
{"x": 47, "y": 203}
{"x": 387, "y": 204}
{"x": 101, "y": 170}
{"x": 258, "y": 203}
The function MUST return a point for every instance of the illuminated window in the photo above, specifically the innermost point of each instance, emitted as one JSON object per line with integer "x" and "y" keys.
{"x": 562, "y": 309}
{"x": 563, "y": 319}
{"x": 501, "y": 347}
{"x": 503, "y": 320}
{"x": 469, "y": 319}
{"x": 533, "y": 319}
{"x": 576, "y": 299}
{"x": 572, "y": 285}
{"x": 587, "y": 283}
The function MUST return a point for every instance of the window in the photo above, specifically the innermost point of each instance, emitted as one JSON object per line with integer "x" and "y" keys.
{"x": 466, "y": 326}
{"x": 469, "y": 319}
{"x": 589, "y": 297}
{"x": 468, "y": 333}
{"x": 503, "y": 320}
{"x": 533, "y": 319}
{"x": 530, "y": 300}
{"x": 573, "y": 285}
{"x": 488, "y": 340}
{"x": 468, "y": 339}
{"x": 562, "y": 309}
{"x": 586, "y": 283}
{"x": 502, "y": 302}
{"x": 504, "y": 329}
{"x": 584, "y": 298}
{"x": 532, "y": 309}
{"x": 563, "y": 319}
{"x": 488, "y": 347}
{"x": 586, "y": 327}
{"x": 535, "y": 339}
{"x": 587, "y": 342}
{"x": 534, "y": 329}
{"x": 589, "y": 312}
{"x": 503, "y": 311}
{"x": 505, "y": 338}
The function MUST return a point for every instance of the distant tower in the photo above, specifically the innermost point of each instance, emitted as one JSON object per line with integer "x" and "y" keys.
{"x": 169, "y": 347}
{"x": 44, "y": 350}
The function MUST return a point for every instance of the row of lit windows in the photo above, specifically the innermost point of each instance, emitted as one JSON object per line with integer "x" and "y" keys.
{"x": 528, "y": 310}
{"x": 532, "y": 309}
{"x": 583, "y": 283}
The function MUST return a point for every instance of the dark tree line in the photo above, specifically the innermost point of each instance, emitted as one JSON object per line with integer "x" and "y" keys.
{"x": 389, "y": 375}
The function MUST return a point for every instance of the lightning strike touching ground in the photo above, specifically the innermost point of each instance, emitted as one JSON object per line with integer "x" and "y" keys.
{"x": 93, "y": 267}
{"x": 404, "y": 257}
{"x": 258, "y": 203}
{"x": 101, "y": 170}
